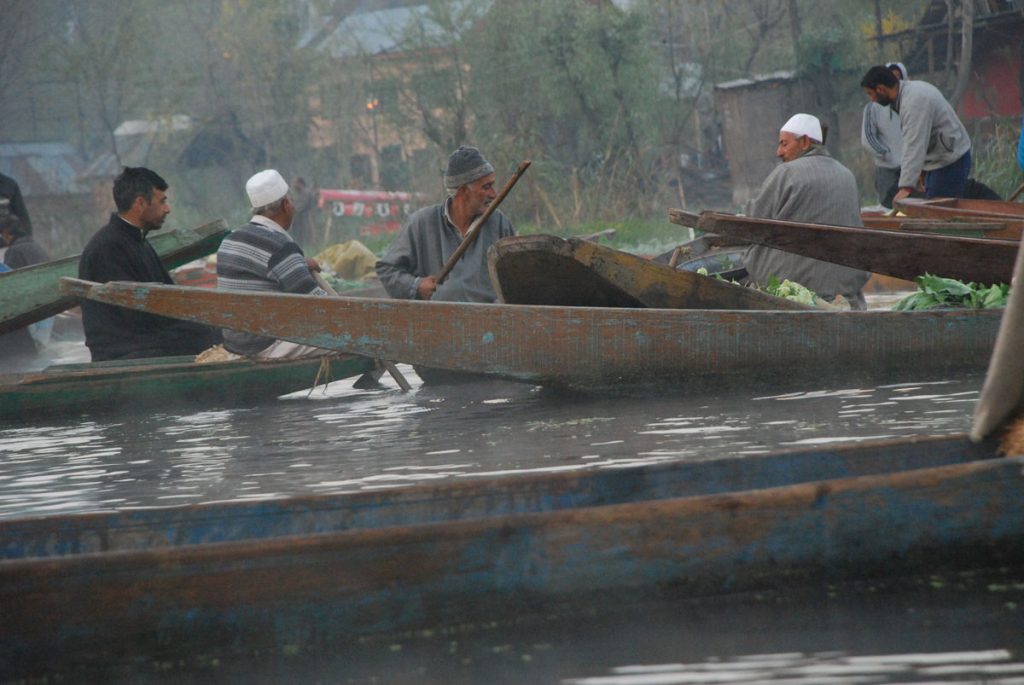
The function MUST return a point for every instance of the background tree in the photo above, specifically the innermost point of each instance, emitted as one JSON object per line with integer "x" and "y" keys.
{"x": 575, "y": 93}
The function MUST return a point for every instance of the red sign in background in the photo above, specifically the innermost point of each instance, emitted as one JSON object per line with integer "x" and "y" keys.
{"x": 382, "y": 210}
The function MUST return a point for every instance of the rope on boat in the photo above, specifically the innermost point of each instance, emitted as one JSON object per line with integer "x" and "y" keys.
{"x": 324, "y": 373}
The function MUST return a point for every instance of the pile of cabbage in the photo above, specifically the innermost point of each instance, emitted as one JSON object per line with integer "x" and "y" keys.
{"x": 791, "y": 291}
{"x": 786, "y": 289}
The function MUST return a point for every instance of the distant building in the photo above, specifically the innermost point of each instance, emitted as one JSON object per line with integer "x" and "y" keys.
{"x": 751, "y": 112}
{"x": 379, "y": 44}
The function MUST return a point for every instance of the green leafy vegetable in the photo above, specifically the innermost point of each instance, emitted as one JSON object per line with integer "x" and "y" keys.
{"x": 790, "y": 290}
{"x": 935, "y": 292}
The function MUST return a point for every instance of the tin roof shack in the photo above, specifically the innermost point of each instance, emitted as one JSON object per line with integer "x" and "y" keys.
{"x": 61, "y": 206}
{"x": 751, "y": 112}
{"x": 206, "y": 164}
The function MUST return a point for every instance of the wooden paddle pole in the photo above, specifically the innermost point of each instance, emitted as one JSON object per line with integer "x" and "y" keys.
{"x": 1016, "y": 193}
{"x": 390, "y": 367}
{"x": 1001, "y": 396}
{"x": 474, "y": 228}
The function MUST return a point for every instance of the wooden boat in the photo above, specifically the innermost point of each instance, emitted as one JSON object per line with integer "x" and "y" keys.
{"x": 546, "y": 270}
{"x": 590, "y": 346}
{"x": 297, "y": 575}
{"x": 208, "y": 582}
{"x": 975, "y": 227}
{"x": 948, "y": 207}
{"x": 33, "y": 293}
{"x": 904, "y": 255}
{"x": 121, "y": 386}
{"x": 477, "y": 498}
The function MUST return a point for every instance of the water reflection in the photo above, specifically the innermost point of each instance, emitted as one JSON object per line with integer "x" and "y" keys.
{"x": 346, "y": 440}
{"x": 826, "y": 668}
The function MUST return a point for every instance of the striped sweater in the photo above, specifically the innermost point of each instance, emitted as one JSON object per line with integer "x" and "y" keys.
{"x": 261, "y": 257}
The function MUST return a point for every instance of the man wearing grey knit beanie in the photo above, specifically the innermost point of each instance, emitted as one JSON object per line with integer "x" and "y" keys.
{"x": 433, "y": 233}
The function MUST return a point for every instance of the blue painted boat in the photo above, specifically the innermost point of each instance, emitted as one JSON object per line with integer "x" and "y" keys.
{"x": 150, "y": 528}
{"x": 316, "y": 573}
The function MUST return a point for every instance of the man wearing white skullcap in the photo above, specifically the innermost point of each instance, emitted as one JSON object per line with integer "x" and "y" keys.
{"x": 261, "y": 257}
{"x": 880, "y": 135}
{"x": 810, "y": 186}
{"x": 433, "y": 233}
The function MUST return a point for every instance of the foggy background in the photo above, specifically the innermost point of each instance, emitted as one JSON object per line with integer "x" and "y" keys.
{"x": 625, "y": 107}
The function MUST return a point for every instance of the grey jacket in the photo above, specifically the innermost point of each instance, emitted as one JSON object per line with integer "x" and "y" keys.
{"x": 880, "y": 134}
{"x": 933, "y": 135}
{"x": 816, "y": 189}
{"x": 424, "y": 244}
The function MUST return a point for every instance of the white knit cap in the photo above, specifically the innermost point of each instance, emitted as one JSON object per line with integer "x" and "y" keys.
{"x": 265, "y": 188}
{"x": 804, "y": 125}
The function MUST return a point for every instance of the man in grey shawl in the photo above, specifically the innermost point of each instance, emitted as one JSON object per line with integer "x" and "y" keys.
{"x": 433, "y": 233}
{"x": 810, "y": 186}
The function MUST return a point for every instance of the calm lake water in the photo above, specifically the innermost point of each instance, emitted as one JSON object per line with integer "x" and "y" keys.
{"x": 941, "y": 629}
{"x": 344, "y": 440}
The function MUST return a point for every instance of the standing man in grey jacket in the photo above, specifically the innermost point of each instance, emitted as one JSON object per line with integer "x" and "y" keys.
{"x": 880, "y": 135}
{"x": 934, "y": 139}
{"x": 433, "y": 233}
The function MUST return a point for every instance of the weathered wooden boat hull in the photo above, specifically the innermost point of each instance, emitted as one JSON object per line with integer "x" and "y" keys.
{"x": 320, "y": 591}
{"x": 459, "y": 499}
{"x": 33, "y": 293}
{"x": 1000, "y": 228}
{"x": 547, "y": 270}
{"x": 960, "y": 208}
{"x": 588, "y": 346}
{"x": 126, "y": 385}
{"x": 904, "y": 255}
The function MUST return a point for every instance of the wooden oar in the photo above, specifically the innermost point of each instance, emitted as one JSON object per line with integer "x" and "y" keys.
{"x": 474, "y": 228}
{"x": 373, "y": 376}
{"x": 683, "y": 217}
{"x": 1016, "y": 193}
{"x": 1003, "y": 392}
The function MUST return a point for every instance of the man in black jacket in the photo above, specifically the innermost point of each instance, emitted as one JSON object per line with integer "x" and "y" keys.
{"x": 21, "y": 251}
{"x": 120, "y": 252}
{"x": 12, "y": 203}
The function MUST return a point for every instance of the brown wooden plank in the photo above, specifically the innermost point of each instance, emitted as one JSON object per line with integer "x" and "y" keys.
{"x": 960, "y": 207}
{"x": 901, "y": 254}
{"x": 994, "y": 227}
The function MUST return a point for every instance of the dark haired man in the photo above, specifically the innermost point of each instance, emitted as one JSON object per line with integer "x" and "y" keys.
{"x": 120, "y": 252}
{"x": 880, "y": 135}
{"x": 934, "y": 139}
